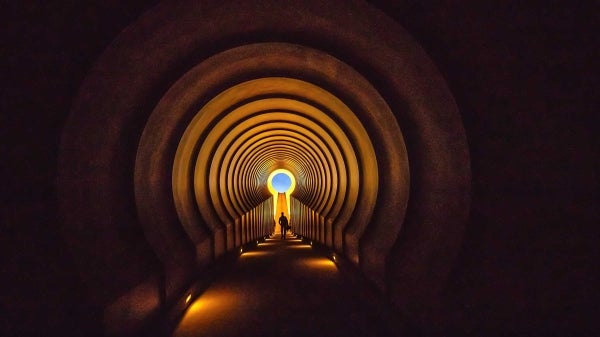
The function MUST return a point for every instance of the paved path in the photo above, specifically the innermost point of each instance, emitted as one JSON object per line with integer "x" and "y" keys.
{"x": 284, "y": 288}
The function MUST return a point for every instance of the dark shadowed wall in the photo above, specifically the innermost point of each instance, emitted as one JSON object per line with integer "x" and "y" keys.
{"x": 522, "y": 76}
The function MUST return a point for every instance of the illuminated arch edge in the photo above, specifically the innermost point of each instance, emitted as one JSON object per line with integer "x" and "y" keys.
{"x": 92, "y": 199}
{"x": 293, "y": 59}
{"x": 352, "y": 140}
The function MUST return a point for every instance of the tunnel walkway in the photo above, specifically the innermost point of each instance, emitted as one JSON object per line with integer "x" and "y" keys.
{"x": 287, "y": 288}
{"x": 164, "y": 180}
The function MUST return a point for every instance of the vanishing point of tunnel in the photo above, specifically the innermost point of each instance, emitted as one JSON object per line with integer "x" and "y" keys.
{"x": 435, "y": 161}
{"x": 210, "y": 102}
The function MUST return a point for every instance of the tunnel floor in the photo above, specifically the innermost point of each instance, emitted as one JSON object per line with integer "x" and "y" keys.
{"x": 287, "y": 288}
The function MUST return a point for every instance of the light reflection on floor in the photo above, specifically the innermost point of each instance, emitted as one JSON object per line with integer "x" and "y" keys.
{"x": 254, "y": 254}
{"x": 321, "y": 263}
{"x": 266, "y": 244}
{"x": 238, "y": 303}
{"x": 300, "y": 247}
{"x": 212, "y": 306}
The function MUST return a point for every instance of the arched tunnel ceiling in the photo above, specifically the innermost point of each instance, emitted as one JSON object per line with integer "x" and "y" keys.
{"x": 301, "y": 124}
{"x": 312, "y": 131}
{"x": 195, "y": 105}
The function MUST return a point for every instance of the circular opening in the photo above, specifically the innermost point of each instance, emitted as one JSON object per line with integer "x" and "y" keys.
{"x": 281, "y": 182}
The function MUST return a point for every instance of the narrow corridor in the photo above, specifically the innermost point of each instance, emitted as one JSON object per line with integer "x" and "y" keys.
{"x": 286, "y": 288}
{"x": 447, "y": 153}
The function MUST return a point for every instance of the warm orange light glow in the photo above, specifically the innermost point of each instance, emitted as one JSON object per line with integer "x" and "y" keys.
{"x": 264, "y": 244}
{"x": 277, "y": 210}
{"x": 300, "y": 247}
{"x": 212, "y": 305}
{"x": 194, "y": 308}
{"x": 254, "y": 254}
{"x": 322, "y": 263}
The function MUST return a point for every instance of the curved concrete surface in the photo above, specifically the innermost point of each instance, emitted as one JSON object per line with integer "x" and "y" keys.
{"x": 286, "y": 288}
{"x": 191, "y": 108}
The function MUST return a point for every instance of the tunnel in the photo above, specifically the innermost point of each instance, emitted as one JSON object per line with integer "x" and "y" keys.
{"x": 439, "y": 158}
{"x": 166, "y": 155}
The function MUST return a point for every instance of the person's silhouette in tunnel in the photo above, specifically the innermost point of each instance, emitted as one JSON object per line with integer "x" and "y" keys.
{"x": 283, "y": 222}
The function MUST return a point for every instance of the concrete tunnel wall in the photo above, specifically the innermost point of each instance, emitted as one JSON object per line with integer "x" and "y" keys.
{"x": 521, "y": 74}
{"x": 187, "y": 112}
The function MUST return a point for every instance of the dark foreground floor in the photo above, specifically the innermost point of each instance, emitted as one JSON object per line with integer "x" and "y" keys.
{"x": 286, "y": 288}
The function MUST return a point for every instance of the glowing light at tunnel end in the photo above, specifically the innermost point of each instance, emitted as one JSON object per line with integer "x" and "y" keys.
{"x": 274, "y": 189}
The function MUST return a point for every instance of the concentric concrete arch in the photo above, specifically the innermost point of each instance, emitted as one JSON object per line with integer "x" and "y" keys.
{"x": 166, "y": 154}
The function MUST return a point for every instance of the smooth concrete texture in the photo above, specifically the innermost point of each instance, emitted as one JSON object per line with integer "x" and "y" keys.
{"x": 106, "y": 253}
{"x": 288, "y": 288}
{"x": 193, "y": 73}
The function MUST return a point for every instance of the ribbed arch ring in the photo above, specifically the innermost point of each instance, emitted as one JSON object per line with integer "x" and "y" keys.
{"x": 300, "y": 151}
{"x": 260, "y": 124}
{"x": 131, "y": 126}
{"x": 223, "y": 105}
{"x": 237, "y": 121}
{"x": 276, "y": 124}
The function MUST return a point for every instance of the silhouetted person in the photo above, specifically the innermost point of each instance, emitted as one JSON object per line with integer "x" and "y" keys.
{"x": 283, "y": 222}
